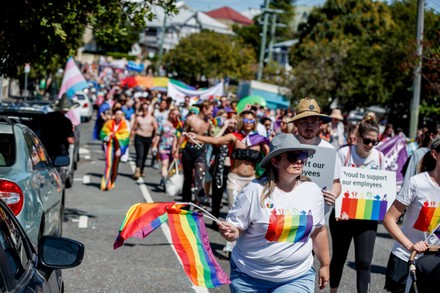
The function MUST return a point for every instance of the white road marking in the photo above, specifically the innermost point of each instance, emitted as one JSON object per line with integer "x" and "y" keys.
{"x": 84, "y": 151}
{"x": 165, "y": 228}
{"x": 83, "y": 221}
{"x": 86, "y": 179}
{"x": 87, "y": 157}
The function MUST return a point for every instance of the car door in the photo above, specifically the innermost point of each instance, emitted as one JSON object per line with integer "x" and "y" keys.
{"x": 50, "y": 186}
{"x": 18, "y": 260}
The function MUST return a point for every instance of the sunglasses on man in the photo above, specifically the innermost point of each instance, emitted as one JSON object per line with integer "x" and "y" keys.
{"x": 294, "y": 157}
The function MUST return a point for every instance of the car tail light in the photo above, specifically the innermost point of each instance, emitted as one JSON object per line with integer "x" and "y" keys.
{"x": 12, "y": 195}
{"x": 85, "y": 105}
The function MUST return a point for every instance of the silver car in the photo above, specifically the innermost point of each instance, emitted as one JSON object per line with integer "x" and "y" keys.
{"x": 29, "y": 181}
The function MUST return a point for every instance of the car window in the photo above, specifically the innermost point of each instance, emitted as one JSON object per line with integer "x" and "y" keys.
{"x": 13, "y": 247}
{"x": 7, "y": 149}
{"x": 37, "y": 155}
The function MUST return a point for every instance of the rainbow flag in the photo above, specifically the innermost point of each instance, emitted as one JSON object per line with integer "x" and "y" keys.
{"x": 142, "y": 219}
{"x": 217, "y": 121}
{"x": 191, "y": 241}
{"x": 429, "y": 217}
{"x": 364, "y": 209}
{"x": 73, "y": 80}
{"x": 119, "y": 131}
{"x": 289, "y": 227}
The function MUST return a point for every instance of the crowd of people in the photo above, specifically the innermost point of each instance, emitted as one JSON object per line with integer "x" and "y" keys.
{"x": 278, "y": 219}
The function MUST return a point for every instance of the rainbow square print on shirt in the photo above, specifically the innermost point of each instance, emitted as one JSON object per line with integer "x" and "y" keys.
{"x": 289, "y": 227}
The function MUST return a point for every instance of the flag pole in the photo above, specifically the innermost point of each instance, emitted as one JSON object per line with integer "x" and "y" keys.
{"x": 208, "y": 214}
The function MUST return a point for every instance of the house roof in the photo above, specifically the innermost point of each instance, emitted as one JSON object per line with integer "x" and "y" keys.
{"x": 226, "y": 12}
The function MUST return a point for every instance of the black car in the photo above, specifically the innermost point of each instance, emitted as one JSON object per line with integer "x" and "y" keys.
{"x": 22, "y": 269}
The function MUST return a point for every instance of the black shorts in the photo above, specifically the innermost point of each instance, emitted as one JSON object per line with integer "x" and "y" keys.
{"x": 396, "y": 275}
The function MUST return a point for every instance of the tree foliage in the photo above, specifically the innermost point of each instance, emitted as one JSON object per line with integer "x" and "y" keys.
{"x": 41, "y": 31}
{"x": 363, "y": 53}
{"x": 210, "y": 55}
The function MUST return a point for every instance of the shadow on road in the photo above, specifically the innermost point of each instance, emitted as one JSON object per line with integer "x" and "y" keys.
{"x": 74, "y": 214}
{"x": 384, "y": 235}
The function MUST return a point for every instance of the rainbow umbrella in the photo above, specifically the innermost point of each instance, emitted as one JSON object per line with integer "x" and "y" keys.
{"x": 134, "y": 81}
{"x": 252, "y": 100}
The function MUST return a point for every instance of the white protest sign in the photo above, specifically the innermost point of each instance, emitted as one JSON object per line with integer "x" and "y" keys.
{"x": 366, "y": 194}
{"x": 320, "y": 167}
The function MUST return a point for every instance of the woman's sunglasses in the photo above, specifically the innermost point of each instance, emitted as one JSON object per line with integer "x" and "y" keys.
{"x": 367, "y": 141}
{"x": 294, "y": 157}
{"x": 246, "y": 120}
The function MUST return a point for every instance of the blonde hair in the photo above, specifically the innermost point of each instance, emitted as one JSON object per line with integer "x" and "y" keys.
{"x": 270, "y": 178}
{"x": 368, "y": 124}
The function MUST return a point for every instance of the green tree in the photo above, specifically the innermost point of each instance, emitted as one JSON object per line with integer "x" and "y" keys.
{"x": 210, "y": 55}
{"x": 340, "y": 54}
{"x": 41, "y": 31}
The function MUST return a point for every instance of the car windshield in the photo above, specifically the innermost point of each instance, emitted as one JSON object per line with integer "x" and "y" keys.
{"x": 7, "y": 149}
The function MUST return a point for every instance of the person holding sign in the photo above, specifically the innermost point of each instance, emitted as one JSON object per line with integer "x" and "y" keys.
{"x": 277, "y": 221}
{"x": 308, "y": 120}
{"x": 363, "y": 232}
{"x": 421, "y": 200}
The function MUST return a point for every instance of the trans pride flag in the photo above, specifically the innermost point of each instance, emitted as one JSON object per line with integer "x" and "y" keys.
{"x": 73, "y": 80}
{"x": 189, "y": 236}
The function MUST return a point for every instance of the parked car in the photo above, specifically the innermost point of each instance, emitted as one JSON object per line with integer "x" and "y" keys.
{"x": 86, "y": 106}
{"x": 22, "y": 268}
{"x": 32, "y": 114}
{"x": 29, "y": 181}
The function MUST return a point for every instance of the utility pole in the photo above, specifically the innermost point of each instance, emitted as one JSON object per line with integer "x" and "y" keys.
{"x": 162, "y": 37}
{"x": 272, "y": 36}
{"x": 263, "y": 40}
{"x": 415, "y": 104}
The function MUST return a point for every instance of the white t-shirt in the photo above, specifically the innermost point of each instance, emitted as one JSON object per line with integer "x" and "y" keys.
{"x": 373, "y": 161}
{"x": 422, "y": 198}
{"x": 288, "y": 253}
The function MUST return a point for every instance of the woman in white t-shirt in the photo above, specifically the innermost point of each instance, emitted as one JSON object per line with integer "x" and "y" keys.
{"x": 362, "y": 232}
{"x": 277, "y": 221}
{"x": 420, "y": 198}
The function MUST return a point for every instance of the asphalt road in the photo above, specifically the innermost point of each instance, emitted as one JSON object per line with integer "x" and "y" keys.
{"x": 151, "y": 264}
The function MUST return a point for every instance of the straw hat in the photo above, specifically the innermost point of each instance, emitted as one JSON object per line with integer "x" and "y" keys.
{"x": 308, "y": 107}
{"x": 283, "y": 143}
{"x": 65, "y": 104}
{"x": 336, "y": 114}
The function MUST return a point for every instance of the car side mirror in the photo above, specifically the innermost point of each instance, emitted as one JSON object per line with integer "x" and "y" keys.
{"x": 61, "y": 161}
{"x": 59, "y": 252}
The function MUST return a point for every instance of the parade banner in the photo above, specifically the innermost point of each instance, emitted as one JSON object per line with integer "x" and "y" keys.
{"x": 320, "y": 167}
{"x": 395, "y": 155}
{"x": 178, "y": 93}
{"x": 366, "y": 194}
{"x": 131, "y": 65}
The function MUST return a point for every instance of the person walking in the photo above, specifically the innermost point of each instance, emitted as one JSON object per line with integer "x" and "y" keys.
{"x": 115, "y": 137}
{"x": 308, "y": 120}
{"x": 418, "y": 199}
{"x": 144, "y": 127}
{"x": 363, "y": 232}
{"x": 278, "y": 223}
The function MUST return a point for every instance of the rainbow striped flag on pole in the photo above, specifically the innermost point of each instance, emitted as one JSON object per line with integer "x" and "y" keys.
{"x": 191, "y": 241}
{"x": 73, "y": 80}
{"x": 189, "y": 236}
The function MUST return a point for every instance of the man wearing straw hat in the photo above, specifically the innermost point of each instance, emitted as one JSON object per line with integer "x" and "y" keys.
{"x": 338, "y": 130}
{"x": 308, "y": 120}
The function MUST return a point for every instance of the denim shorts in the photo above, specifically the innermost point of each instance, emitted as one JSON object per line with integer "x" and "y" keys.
{"x": 241, "y": 282}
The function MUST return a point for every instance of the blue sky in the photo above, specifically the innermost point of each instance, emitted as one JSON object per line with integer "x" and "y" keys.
{"x": 239, "y": 5}
{"x": 243, "y": 5}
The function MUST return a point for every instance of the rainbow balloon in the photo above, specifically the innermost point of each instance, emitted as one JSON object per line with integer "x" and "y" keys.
{"x": 289, "y": 227}
{"x": 429, "y": 217}
{"x": 364, "y": 209}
